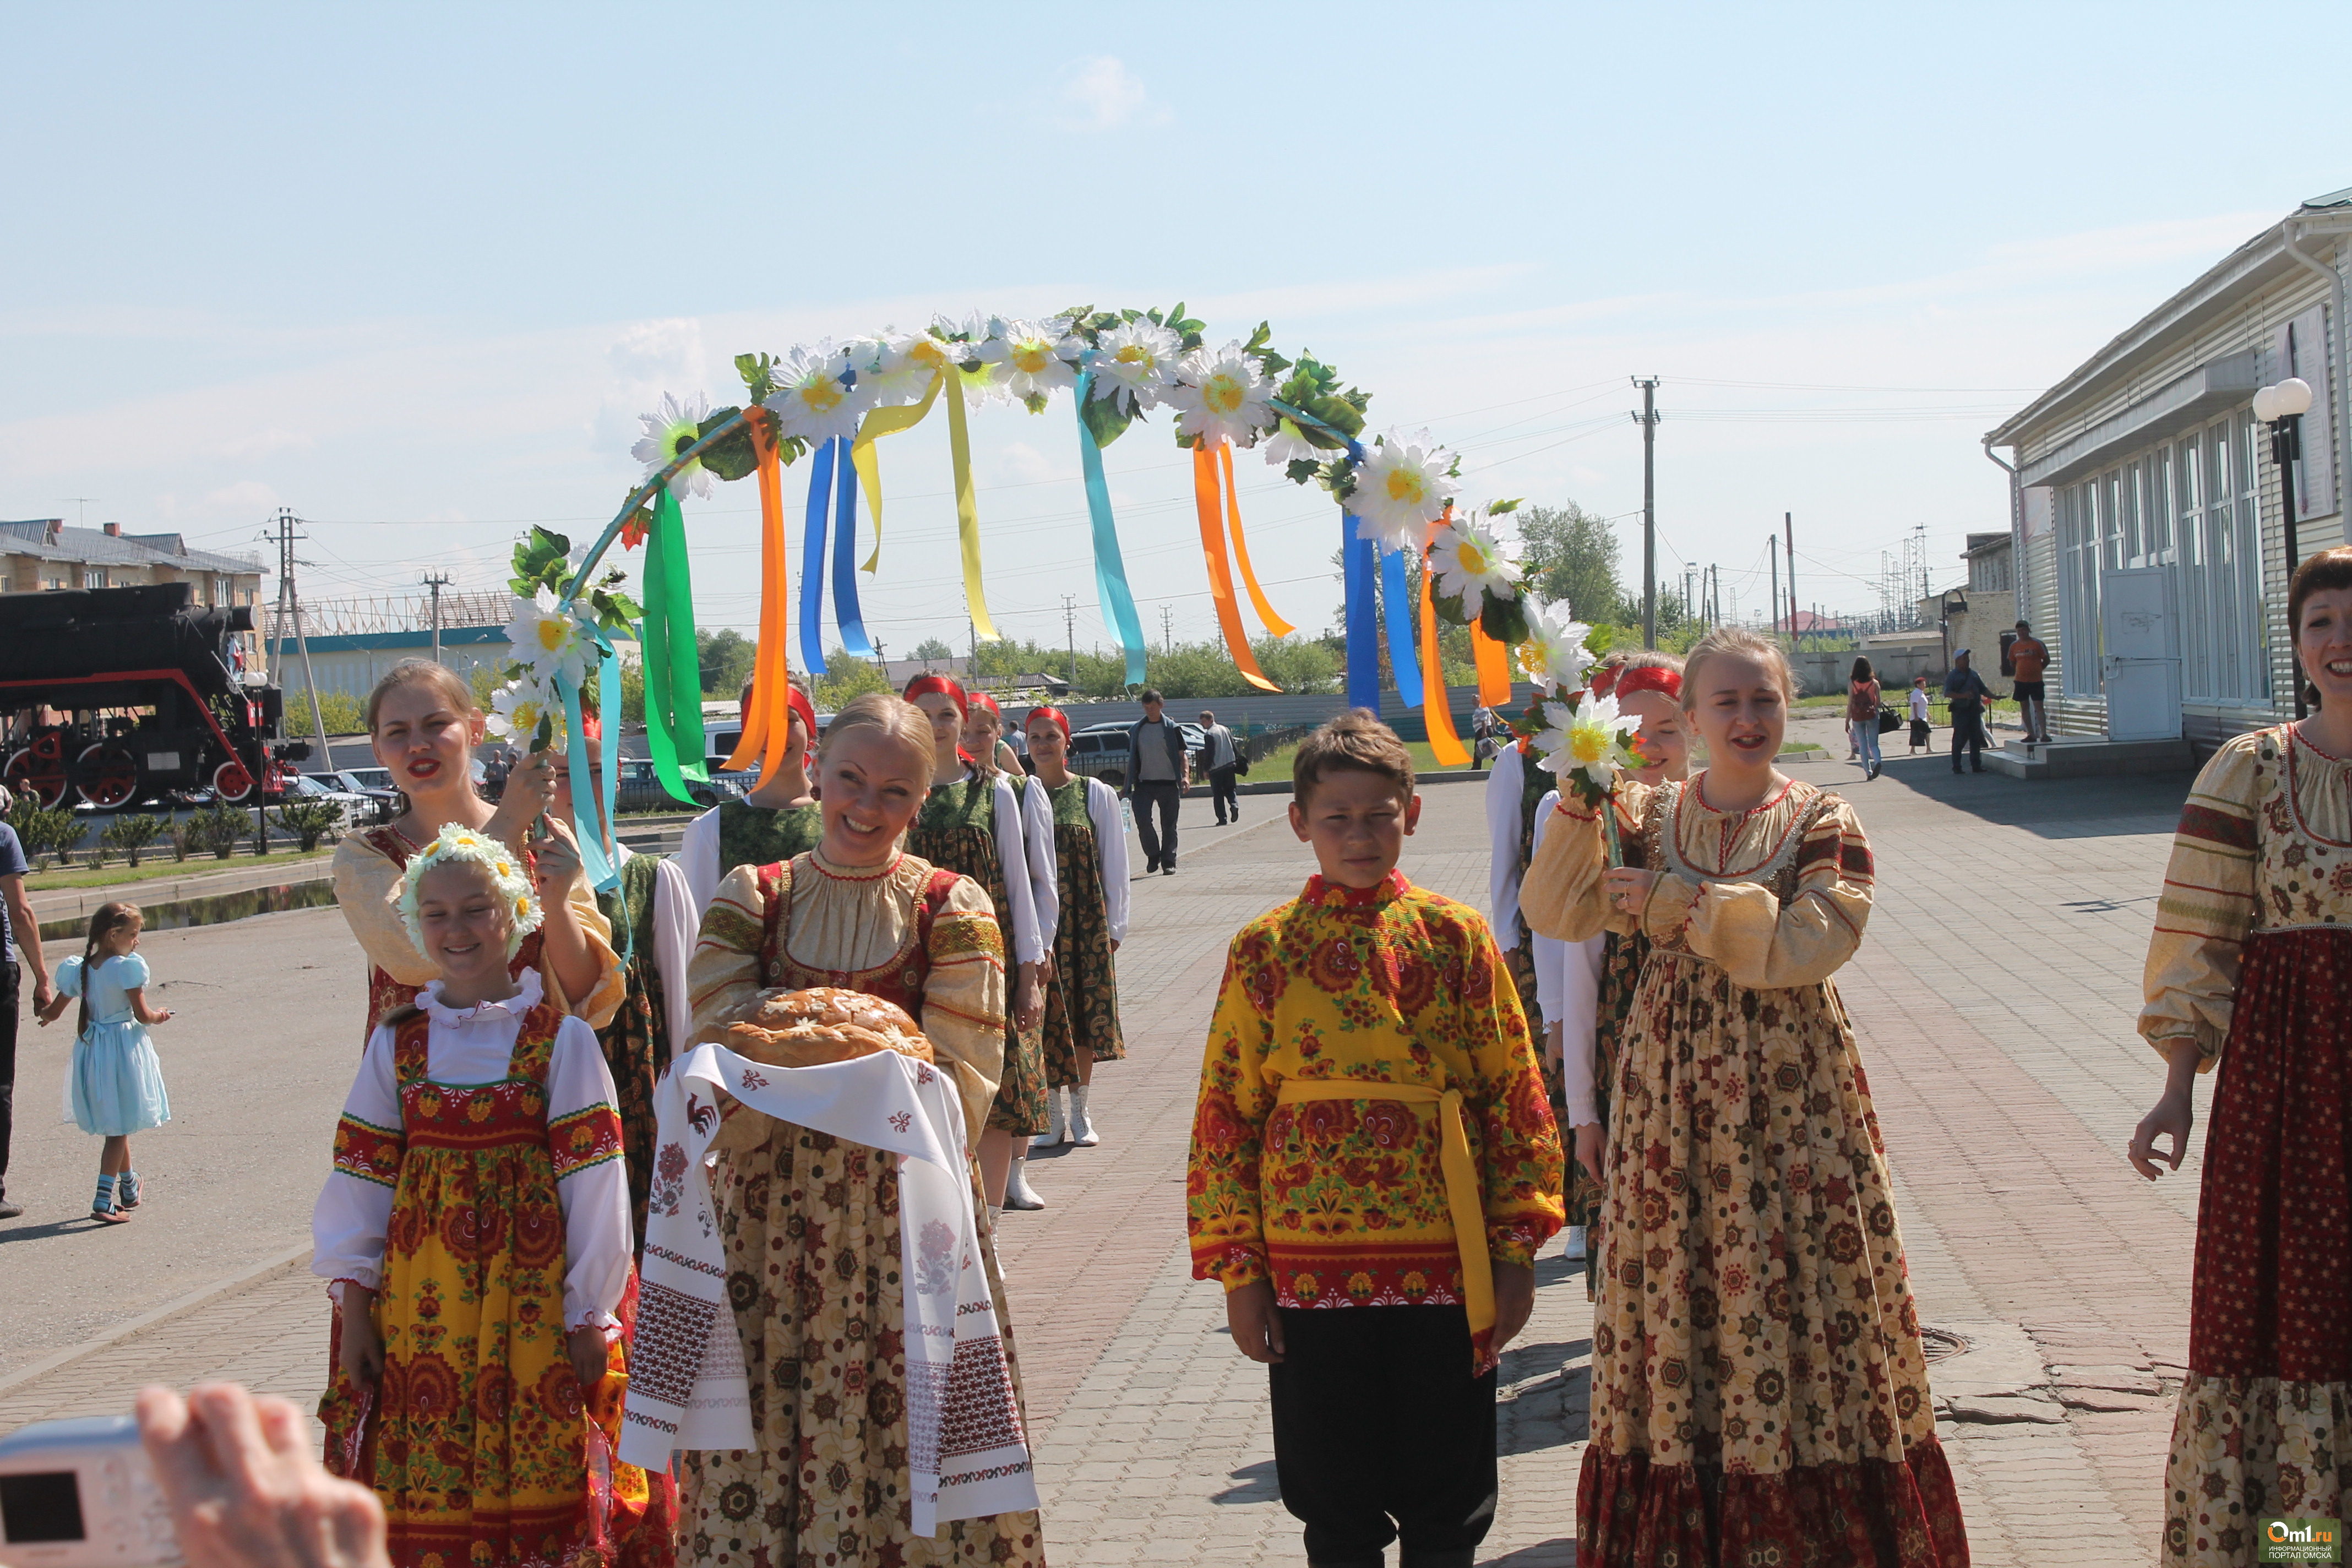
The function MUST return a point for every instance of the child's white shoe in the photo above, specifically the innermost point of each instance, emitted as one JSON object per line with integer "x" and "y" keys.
{"x": 1575, "y": 1252}
{"x": 1057, "y": 1126}
{"x": 1082, "y": 1130}
{"x": 1018, "y": 1194}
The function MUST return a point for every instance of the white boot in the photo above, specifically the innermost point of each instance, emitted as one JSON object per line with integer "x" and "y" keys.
{"x": 1575, "y": 1252}
{"x": 1082, "y": 1131}
{"x": 1017, "y": 1192}
{"x": 1059, "y": 1128}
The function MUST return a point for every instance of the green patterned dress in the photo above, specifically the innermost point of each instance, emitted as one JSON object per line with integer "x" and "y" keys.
{"x": 957, "y": 832}
{"x": 637, "y": 1042}
{"x": 758, "y": 835}
{"x": 1082, "y": 1003}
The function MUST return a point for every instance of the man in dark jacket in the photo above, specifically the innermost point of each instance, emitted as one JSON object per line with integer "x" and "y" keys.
{"x": 1159, "y": 774}
{"x": 1965, "y": 690}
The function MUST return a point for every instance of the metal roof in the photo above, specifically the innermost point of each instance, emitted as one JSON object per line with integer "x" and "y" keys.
{"x": 94, "y": 546}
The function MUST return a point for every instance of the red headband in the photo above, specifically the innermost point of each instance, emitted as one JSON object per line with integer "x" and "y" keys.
{"x": 795, "y": 697}
{"x": 924, "y": 685}
{"x": 1649, "y": 677}
{"x": 983, "y": 699}
{"x": 1061, "y": 719}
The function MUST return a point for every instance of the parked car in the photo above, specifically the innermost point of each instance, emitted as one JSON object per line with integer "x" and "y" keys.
{"x": 346, "y": 781}
{"x": 1099, "y": 750}
{"x": 352, "y": 810}
{"x": 639, "y": 788}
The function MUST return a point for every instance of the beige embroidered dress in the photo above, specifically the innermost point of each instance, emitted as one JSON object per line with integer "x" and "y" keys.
{"x": 2251, "y": 958}
{"x": 810, "y": 1224}
{"x": 1759, "y": 1394}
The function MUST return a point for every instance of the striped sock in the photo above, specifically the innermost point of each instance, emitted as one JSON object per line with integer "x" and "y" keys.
{"x": 104, "y": 1202}
{"x": 126, "y": 1187}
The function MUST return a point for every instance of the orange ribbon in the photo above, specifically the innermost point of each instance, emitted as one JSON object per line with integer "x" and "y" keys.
{"x": 1494, "y": 668}
{"x": 1221, "y": 577}
{"x": 1436, "y": 712}
{"x": 1274, "y": 624}
{"x": 768, "y": 725}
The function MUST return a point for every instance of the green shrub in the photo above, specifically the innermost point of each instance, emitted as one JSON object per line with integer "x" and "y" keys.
{"x": 45, "y": 831}
{"x": 219, "y": 828}
{"x": 130, "y": 834}
{"x": 309, "y": 821}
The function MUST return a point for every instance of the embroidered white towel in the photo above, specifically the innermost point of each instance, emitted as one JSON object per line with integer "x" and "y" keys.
{"x": 967, "y": 1451}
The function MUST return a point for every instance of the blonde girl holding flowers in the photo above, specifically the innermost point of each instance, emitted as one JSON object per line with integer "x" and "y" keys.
{"x": 475, "y": 1228}
{"x": 1758, "y": 1388}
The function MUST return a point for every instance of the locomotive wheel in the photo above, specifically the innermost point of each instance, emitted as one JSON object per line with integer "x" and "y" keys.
{"x": 106, "y": 773}
{"x": 30, "y": 772}
{"x": 231, "y": 782}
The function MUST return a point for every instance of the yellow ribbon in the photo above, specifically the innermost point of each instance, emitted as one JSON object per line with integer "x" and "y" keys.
{"x": 881, "y": 423}
{"x": 1272, "y": 623}
{"x": 1221, "y": 577}
{"x": 967, "y": 512}
{"x": 1462, "y": 1199}
{"x": 767, "y": 726}
{"x": 1436, "y": 712}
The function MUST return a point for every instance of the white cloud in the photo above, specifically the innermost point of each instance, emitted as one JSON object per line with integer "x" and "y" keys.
{"x": 263, "y": 443}
{"x": 1102, "y": 94}
{"x": 245, "y": 495}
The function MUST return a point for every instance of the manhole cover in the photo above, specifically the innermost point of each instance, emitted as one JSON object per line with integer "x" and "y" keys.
{"x": 1941, "y": 1344}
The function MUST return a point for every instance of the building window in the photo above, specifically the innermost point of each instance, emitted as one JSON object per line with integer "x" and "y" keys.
{"x": 93, "y": 576}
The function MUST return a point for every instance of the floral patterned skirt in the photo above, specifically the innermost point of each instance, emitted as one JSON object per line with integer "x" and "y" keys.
{"x": 1082, "y": 1003}
{"x": 2262, "y": 1425}
{"x": 1759, "y": 1393}
{"x": 810, "y": 1224}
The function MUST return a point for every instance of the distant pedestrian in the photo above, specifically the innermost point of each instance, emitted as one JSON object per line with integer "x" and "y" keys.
{"x": 1919, "y": 727}
{"x": 1223, "y": 762}
{"x": 1158, "y": 775}
{"x": 20, "y": 948}
{"x": 115, "y": 1085}
{"x": 1862, "y": 715}
{"x": 2029, "y": 657}
{"x": 1090, "y": 879}
{"x": 1965, "y": 690}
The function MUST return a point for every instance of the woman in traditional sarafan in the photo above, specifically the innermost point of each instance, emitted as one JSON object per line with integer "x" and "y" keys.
{"x": 1090, "y": 881}
{"x": 2251, "y": 968}
{"x": 976, "y": 822}
{"x": 811, "y": 1221}
{"x": 475, "y": 1228}
{"x": 1759, "y": 1393}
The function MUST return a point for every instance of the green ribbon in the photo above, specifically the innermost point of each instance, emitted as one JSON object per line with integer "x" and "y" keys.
{"x": 673, "y": 660}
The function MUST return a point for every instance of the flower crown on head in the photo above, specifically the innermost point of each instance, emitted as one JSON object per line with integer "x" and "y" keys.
{"x": 507, "y": 875}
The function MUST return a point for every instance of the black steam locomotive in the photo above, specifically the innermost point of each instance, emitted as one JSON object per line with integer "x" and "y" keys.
{"x": 116, "y": 695}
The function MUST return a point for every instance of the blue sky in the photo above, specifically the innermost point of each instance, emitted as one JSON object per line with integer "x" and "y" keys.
{"x": 412, "y": 270}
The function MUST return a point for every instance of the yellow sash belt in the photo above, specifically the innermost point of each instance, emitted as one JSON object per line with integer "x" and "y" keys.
{"x": 1462, "y": 1194}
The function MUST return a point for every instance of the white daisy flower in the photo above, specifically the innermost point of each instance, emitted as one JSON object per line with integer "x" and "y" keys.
{"x": 547, "y": 639}
{"x": 1221, "y": 396}
{"x": 670, "y": 430}
{"x": 809, "y": 401}
{"x": 516, "y": 707}
{"x": 1402, "y": 487}
{"x": 1033, "y": 358}
{"x": 1554, "y": 656}
{"x": 1287, "y": 446}
{"x": 1471, "y": 563}
{"x": 1136, "y": 359}
{"x": 1589, "y": 740}
{"x": 901, "y": 367}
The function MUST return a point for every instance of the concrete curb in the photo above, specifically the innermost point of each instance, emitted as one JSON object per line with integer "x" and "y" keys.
{"x": 124, "y": 1330}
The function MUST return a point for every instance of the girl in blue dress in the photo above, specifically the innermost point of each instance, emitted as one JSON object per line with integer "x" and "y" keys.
{"x": 115, "y": 1087}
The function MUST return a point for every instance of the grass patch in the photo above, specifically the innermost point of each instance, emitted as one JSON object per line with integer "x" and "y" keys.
{"x": 152, "y": 867}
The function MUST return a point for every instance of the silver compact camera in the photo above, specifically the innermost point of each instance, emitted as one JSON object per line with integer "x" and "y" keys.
{"x": 80, "y": 1494}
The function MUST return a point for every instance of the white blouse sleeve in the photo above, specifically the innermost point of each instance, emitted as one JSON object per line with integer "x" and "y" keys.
{"x": 1110, "y": 842}
{"x": 677, "y": 922}
{"x": 1567, "y": 990}
{"x": 697, "y": 863}
{"x": 1504, "y": 782}
{"x": 1012, "y": 863}
{"x": 592, "y": 1181}
{"x": 1045, "y": 875}
{"x": 354, "y": 1208}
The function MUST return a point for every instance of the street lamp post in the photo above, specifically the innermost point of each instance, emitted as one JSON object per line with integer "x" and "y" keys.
{"x": 2281, "y": 407}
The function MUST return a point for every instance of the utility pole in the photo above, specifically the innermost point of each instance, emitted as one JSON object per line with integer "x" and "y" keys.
{"x": 1789, "y": 521}
{"x": 437, "y": 582}
{"x": 1773, "y": 627}
{"x": 1648, "y": 420}
{"x": 289, "y": 611}
{"x": 1167, "y": 629}
{"x": 1070, "y": 631}
{"x": 972, "y": 670}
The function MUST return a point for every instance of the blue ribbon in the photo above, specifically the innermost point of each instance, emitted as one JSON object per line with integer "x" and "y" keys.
{"x": 845, "y": 555}
{"x": 603, "y": 871}
{"x": 1363, "y": 635}
{"x": 812, "y": 561}
{"x": 1110, "y": 569}
{"x": 1399, "y": 607}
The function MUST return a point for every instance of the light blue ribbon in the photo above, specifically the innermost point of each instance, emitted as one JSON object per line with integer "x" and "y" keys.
{"x": 844, "y": 553}
{"x": 1110, "y": 569}
{"x": 1397, "y": 606}
{"x": 603, "y": 871}
{"x": 812, "y": 561}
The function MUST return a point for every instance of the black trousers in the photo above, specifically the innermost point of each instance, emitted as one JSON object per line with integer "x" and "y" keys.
{"x": 1223, "y": 793}
{"x": 1160, "y": 797}
{"x": 1380, "y": 1434}
{"x": 1968, "y": 729}
{"x": 9, "y": 979}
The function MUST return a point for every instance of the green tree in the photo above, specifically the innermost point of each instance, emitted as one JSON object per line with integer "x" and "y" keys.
{"x": 727, "y": 658}
{"x": 346, "y": 715}
{"x": 845, "y": 679}
{"x": 1572, "y": 558}
{"x": 932, "y": 648}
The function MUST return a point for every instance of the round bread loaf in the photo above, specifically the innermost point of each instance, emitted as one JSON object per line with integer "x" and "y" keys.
{"x": 822, "y": 1023}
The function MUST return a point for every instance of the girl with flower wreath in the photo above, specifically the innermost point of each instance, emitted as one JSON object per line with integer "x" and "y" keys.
{"x": 475, "y": 1228}
{"x": 2248, "y": 970}
{"x": 977, "y": 823}
{"x": 1758, "y": 1388}
{"x": 1091, "y": 888}
{"x": 423, "y": 724}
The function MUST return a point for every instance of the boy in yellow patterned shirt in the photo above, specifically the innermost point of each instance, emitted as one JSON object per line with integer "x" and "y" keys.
{"x": 1373, "y": 1167}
